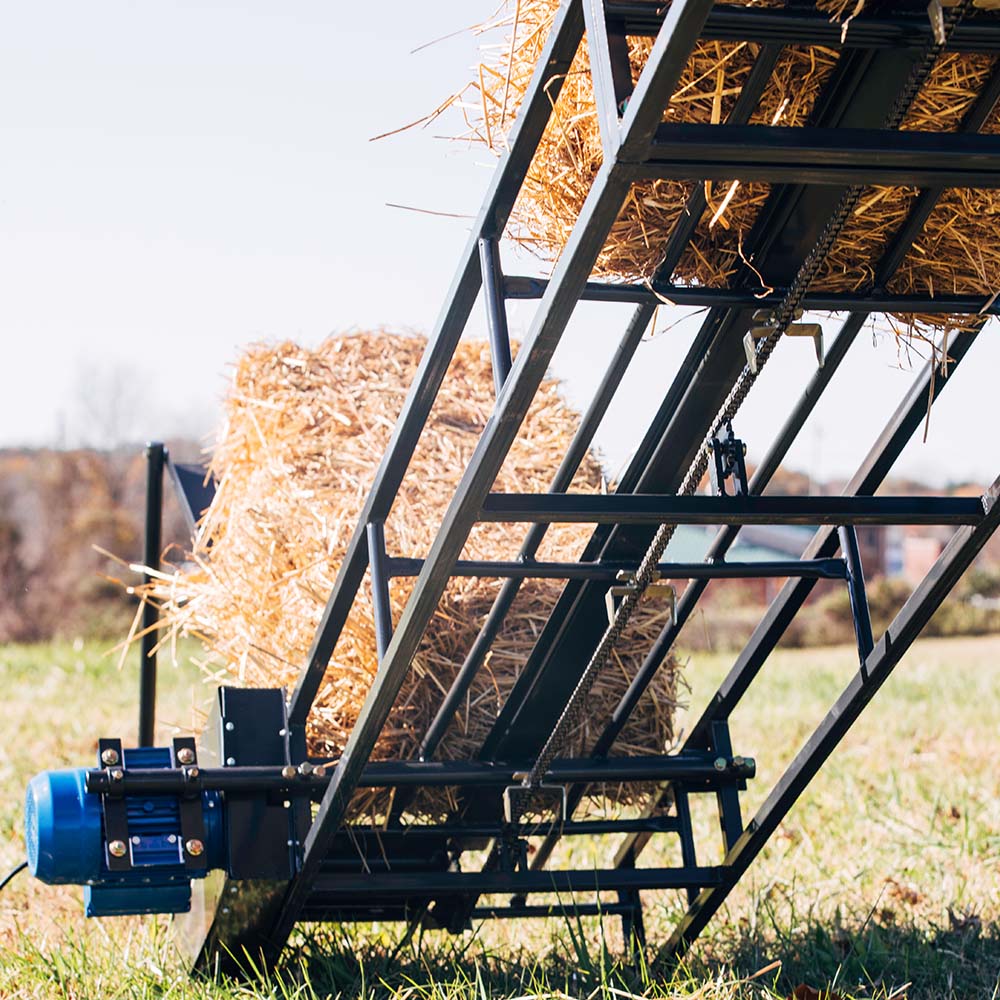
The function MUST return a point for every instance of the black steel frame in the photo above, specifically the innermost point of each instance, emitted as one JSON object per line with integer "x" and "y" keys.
{"x": 808, "y": 169}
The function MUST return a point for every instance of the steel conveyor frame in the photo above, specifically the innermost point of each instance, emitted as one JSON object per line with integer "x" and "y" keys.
{"x": 809, "y": 169}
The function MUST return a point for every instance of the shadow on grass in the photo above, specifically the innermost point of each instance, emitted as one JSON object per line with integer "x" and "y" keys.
{"x": 865, "y": 959}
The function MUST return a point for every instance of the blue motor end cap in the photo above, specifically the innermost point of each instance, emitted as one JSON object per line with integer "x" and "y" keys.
{"x": 62, "y": 828}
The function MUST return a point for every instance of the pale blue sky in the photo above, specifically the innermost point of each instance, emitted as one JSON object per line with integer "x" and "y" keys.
{"x": 178, "y": 179}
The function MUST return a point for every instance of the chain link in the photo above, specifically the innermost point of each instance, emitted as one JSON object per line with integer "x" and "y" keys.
{"x": 783, "y": 316}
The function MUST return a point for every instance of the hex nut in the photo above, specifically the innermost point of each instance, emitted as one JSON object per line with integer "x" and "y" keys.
{"x": 117, "y": 774}
{"x": 720, "y": 763}
{"x": 109, "y": 757}
{"x": 305, "y": 769}
{"x": 319, "y": 771}
{"x": 288, "y": 772}
{"x": 185, "y": 755}
{"x": 117, "y": 848}
{"x": 194, "y": 847}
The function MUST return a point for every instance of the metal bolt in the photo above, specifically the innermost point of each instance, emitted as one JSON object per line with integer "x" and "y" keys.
{"x": 288, "y": 772}
{"x": 117, "y": 848}
{"x": 185, "y": 755}
{"x": 230, "y": 727}
{"x": 191, "y": 773}
{"x": 109, "y": 757}
{"x": 172, "y": 838}
{"x": 305, "y": 769}
{"x": 230, "y": 762}
{"x": 720, "y": 763}
{"x": 136, "y": 840}
{"x": 117, "y": 774}
{"x": 194, "y": 847}
{"x": 319, "y": 771}
{"x": 739, "y": 761}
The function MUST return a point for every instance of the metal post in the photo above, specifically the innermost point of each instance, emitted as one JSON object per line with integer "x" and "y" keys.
{"x": 381, "y": 604}
{"x": 856, "y": 590}
{"x": 155, "y": 457}
{"x": 496, "y": 310}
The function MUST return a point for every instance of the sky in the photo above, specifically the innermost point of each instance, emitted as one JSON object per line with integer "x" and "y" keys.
{"x": 180, "y": 179}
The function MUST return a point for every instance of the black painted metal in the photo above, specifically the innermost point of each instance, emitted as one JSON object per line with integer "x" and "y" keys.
{"x": 660, "y": 292}
{"x": 328, "y": 888}
{"x": 823, "y": 569}
{"x": 840, "y": 156}
{"x": 891, "y": 260}
{"x": 859, "y": 93}
{"x": 645, "y": 508}
{"x": 695, "y": 768}
{"x": 856, "y": 590}
{"x": 152, "y": 545}
{"x": 194, "y": 489}
{"x": 496, "y": 310}
{"x": 805, "y": 26}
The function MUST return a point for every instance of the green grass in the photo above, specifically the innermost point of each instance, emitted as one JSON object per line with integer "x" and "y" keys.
{"x": 885, "y": 874}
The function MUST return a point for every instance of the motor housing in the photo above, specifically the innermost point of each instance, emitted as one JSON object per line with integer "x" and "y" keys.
{"x": 146, "y": 869}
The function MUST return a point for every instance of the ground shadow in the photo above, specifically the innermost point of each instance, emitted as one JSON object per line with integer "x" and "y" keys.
{"x": 862, "y": 959}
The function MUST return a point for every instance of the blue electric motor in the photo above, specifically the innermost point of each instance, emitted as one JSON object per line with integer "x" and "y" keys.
{"x": 67, "y": 841}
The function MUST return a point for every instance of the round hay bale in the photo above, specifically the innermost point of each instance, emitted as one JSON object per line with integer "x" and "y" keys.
{"x": 303, "y": 436}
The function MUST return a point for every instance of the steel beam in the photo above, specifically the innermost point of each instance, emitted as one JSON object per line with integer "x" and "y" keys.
{"x": 837, "y": 156}
{"x": 519, "y": 287}
{"x": 609, "y": 572}
{"x": 156, "y": 455}
{"x": 802, "y": 26}
{"x": 351, "y": 886}
{"x": 653, "y": 509}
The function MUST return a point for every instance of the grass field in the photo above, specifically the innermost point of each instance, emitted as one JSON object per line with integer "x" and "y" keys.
{"x": 882, "y": 882}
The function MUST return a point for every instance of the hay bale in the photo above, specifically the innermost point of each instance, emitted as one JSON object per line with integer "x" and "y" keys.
{"x": 957, "y": 253}
{"x": 303, "y": 436}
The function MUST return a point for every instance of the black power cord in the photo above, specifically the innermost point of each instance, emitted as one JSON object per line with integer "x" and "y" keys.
{"x": 10, "y": 875}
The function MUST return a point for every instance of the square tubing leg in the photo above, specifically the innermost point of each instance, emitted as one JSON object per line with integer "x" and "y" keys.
{"x": 152, "y": 544}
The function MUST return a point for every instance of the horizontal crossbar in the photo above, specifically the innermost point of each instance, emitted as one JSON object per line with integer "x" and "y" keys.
{"x": 804, "y": 27}
{"x": 439, "y": 884}
{"x": 519, "y": 287}
{"x": 813, "y": 569}
{"x": 838, "y": 156}
{"x": 585, "y": 827}
{"x": 693, "y": 766}
{"x": 647, "y": 508}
